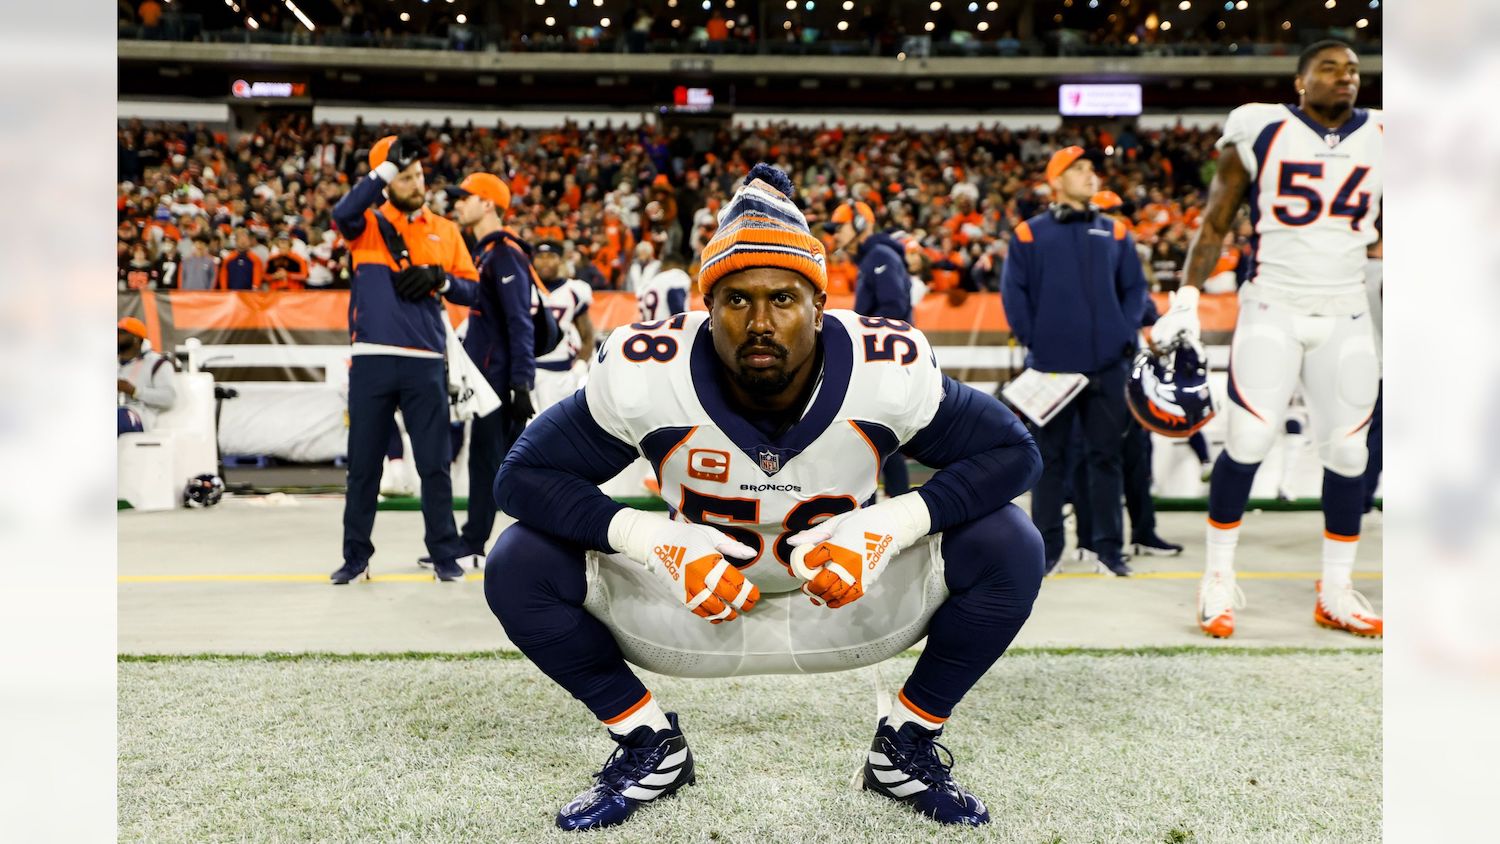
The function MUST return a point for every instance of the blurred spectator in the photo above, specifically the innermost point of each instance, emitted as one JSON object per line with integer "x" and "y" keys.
{"x": 199, "y": 270}
{"x": 285, "y": 269}
{"x": 149, "y": 13}
{"x": 242, "y": 269}
{"x": 642, "y": 268}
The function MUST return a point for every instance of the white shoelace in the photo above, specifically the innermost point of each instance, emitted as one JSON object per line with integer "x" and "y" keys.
{"x": 1218, "y": 594}
{"x": 1339, "y": 609}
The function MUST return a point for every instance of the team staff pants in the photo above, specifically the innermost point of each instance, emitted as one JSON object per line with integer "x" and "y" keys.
{"x": 1101, "y": 410}
{"x": 489, "y": 441}
{"x": 378, "y": 385}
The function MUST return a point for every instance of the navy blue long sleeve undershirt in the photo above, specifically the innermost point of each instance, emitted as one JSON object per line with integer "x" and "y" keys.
{"x": 550, "y": 479}
{"x": 985, "y": 458}
{"x": 984, "y": 455}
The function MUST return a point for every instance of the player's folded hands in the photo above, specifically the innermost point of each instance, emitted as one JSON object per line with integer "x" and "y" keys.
{"x": 842, "y": 557}
{"x": 690, "y": 559}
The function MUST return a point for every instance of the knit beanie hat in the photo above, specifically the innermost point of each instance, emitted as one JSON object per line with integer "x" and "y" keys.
{"x": 760, "y": 226}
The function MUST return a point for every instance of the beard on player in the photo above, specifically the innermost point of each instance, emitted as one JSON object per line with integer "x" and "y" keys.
{"x": 762, "y": 380}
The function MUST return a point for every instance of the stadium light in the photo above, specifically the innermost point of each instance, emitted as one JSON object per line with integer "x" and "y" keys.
{"x": 843, "y": 25}
{"x": 983, "y": 26}
{"x": 706, "y": 5}
{"x": 848, "y": 5}
{"x": 929, "y": 26}
{"x": 810, "y": 5}
{"x": 973, "y": 7}
{"x": 550, "y": 21}
{"x": 604, "y": 23}
{"x": 1221, "y": 24}
{"x": 292, "y": 7}
{"x": 1185, "y": 5}
{"x": 1361, "y": 23}
{"x": 786, "y": 24}
{"x": 936, "y": 5}
{"x": 405, "y": 17}
{"x": 252, "y": 23}
{"x": 901, "y": 56}
{"x": 791, "y": 4}
{"x": 1330, "y": 4}
{"x": 992, "y": 5}
{"x": 462, "y": 18}
{"x": 1286, "y": 24}
{"x": 1166, "y": 25}
{"x": 676, "y": 23}
{"x": 541, "y": 2}
{"x": 1242, "y": 5}
{"x": 598, "y": 2}
{"x": 1093, "y": 4}
{"x": 729, "y": 4}
{"x": 729, "y": 24}
{"x": 1374, "y": 4}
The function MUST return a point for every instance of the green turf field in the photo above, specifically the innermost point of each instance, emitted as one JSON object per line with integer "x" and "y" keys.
{"x": 1217, "y": 745}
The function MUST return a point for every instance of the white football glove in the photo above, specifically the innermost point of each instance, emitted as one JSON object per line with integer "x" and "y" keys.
{"x": 1181, "y": 318}
{"x": 842, "y": 557}
{"x": 690, "y": 559}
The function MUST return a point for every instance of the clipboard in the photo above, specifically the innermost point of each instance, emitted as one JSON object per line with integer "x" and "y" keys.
{"x": 1040, "y": 396}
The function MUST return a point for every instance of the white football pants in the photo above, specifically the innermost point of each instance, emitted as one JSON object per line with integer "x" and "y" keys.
{"x": 1333, "y": 357}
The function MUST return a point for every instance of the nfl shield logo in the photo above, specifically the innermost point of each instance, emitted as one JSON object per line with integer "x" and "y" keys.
{"x": 770, "y": 461}
{"x": 1332, "y": 139}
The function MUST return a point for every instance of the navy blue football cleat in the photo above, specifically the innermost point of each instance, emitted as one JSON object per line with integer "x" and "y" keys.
{"x": 647, "y": 765}
{"x": 904, "y": 765}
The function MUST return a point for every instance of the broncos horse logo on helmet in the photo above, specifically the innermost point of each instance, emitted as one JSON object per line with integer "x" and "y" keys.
{"x": 1168, "y": 392}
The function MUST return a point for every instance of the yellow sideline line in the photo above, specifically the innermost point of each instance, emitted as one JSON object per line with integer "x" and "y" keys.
{"x": 428, "y": 578}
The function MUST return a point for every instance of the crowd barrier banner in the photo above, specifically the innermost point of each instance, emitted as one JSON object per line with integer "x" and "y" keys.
{"x": 322, "y": 316}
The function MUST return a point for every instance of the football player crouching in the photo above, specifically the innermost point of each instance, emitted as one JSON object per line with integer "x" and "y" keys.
{"x": 767, "y": 420}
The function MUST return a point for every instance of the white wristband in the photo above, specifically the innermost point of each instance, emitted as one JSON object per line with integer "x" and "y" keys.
{"x": 912, "y": 514}
{"x": 386, "y": 171}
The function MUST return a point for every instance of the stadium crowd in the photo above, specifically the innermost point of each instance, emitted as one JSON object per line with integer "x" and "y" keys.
{"x": 199, "y": 210}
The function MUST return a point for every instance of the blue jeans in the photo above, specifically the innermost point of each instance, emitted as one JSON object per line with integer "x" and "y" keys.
{"x": 378, "y": 385}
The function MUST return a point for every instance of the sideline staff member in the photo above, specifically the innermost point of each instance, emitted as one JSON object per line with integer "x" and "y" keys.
{"x": 881, "y": 289}
{"x": 397, "y": 337}
{"x": 1074, "y": 294}
{"x": 501, "y": 341}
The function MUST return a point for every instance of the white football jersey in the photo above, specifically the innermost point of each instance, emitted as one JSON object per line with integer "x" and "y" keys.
{"x": 652, "y": 298}
{"x": 1315, "y": 197}
{"x": 658, "y": 385}
{"x": 567, "y": 302}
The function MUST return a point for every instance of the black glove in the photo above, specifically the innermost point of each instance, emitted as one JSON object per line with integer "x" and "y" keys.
{"x": 405, "y": 150}
{"x": 416, "y": 282}
{"x": 519, "y": 408}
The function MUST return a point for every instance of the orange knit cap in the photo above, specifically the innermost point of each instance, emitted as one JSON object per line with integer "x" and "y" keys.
{"x": 762, "y": 227}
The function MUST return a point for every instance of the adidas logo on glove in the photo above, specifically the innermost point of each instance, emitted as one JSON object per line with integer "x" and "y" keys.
{"x": 671, "y": 557}
{"x": 875, "y": 545}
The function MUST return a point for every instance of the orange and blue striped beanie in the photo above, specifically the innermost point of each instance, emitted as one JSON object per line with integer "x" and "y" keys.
{"x": 760, "y": 226}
